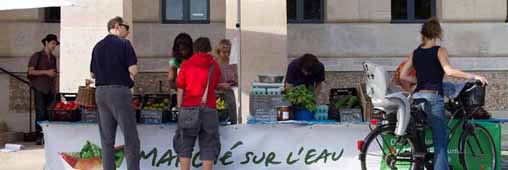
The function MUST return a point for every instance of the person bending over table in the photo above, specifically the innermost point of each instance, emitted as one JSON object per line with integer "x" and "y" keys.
{"x": 305, "y": 70}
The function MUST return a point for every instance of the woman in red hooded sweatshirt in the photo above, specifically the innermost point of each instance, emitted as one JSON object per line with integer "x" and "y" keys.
{"x": 197, "y": 73}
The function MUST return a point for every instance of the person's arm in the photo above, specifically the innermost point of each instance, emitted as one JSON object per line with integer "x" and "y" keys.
{"x": 290, "y": 77}
{"x": 180, "y": 84}
{"x": 404, "y": 73}
{"x": 450, "y": 71}
{"x": 320, "y": 78}
{"x": 179, "y": 98}
{"x": 171, "y": 73}
{"x": 317, "y": 89}
{"x": 33, "y": 72}
{"x": 132, "y": 60}
{"x": 133, "y": 71}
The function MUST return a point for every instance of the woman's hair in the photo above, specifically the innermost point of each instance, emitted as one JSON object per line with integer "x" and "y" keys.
{"x": 309, "y": 63}
{"x": 221, "y": 46}
{"x": 202, "y": 44}
{"x": 182, "y": 39}
{"x": 431, "y": 29}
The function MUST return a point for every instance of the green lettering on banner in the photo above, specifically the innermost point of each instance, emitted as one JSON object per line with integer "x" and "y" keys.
{"x": 309, "y": 156}
{"x": 270, "y": 159}
{"x": 167, "y": 157}
{"x": 259, "y": 160}
{"x": 247, "y": 158}
{"x": 324, "y": 155}
{"x": 334, "y": 158}
{"x": 289, "y": 161}
{"x": 152, "y": 153}
{"x": 194, "y": 159}
{"x": 300, "y": 151}
{"x": 226, "y": 156}
{"x": 237, "y": 144}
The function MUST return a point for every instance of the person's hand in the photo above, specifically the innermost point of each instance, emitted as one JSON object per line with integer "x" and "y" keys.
{"x": 226, "y": 86}
{"x": 88, "y": 82}
{"x": 481, "y": 79}
{"x": 51, "y": 73}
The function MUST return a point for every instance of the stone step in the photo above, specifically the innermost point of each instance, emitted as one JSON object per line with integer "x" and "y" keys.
{"x": 3, "y": 127}
{"x": 10, "y": 137}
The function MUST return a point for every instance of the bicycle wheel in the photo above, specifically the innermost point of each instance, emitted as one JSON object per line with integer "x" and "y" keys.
{"x": 477, "y": 150}
{"x": 382, "y": 150}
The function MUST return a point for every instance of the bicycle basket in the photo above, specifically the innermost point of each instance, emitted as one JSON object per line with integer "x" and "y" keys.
{"x": 473, "y": 95}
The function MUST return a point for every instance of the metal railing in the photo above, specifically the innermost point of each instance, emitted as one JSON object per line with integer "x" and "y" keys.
{"x": 31, "y": 89}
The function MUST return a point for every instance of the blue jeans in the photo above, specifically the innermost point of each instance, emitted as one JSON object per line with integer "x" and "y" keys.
{"x": 437, "y": 119}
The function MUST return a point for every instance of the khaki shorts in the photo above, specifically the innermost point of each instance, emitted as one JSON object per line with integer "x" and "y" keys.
{"x": 208, "y": 134}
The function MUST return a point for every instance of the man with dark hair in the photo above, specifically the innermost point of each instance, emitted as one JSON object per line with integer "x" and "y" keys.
{"x": 114, "y": 66}
{"x": 42, "y": 73}
{"x": 306, "y": 70}
{"x": 202, "y": 44}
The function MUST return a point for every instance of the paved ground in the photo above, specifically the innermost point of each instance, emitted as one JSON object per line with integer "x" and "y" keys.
{"x": 31, "y": 157}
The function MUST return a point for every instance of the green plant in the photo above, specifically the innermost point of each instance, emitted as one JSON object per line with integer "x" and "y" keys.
{"x": 300, "y": 96}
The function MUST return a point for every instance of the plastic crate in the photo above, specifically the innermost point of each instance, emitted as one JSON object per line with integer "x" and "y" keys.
{"x": 62, "y": 114}
{"x": 264, "y": 104}
{"x": 154, "y": 116}
{"x": 89, "y": 115}
{"x": 337, "y": 95}
{"x": 65, "y": 115}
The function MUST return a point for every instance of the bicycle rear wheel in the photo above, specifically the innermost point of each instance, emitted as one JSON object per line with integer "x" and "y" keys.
{"x": 382, "y": 150}
{"x": 477, "y": 150}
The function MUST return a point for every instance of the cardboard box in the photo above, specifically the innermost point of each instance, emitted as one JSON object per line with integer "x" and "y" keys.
{"x": 365, "y": 102}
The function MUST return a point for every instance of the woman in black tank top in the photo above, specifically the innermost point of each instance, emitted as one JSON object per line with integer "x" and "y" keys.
{"x": 431, "y": 64}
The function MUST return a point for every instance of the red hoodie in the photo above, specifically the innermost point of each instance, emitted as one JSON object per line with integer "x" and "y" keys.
{"x": 192, "y": 78}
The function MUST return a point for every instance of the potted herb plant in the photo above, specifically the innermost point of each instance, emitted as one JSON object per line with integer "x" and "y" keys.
{"x": 302, "y": 101}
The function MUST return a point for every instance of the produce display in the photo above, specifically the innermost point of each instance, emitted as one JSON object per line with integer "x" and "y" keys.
{"x": 66, "y": 106}
{"x": 156, "y": 104}
{"x": 347, "y": 102}
{"x": 90, "y": 157}
{"x": 300, "y": 96}
{"x": 136, "y": 103}
{"x": 221, "y": 108}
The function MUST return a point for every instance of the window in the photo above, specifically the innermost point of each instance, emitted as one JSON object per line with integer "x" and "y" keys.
{"x": 305, "y": 11}
{"x": 413, "y": 10}
{"x": 186, "y": 11}
{"x": 52, "y": 14}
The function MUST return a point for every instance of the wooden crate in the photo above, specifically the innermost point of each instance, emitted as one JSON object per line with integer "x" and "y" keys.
{"x": 365, "y": 102}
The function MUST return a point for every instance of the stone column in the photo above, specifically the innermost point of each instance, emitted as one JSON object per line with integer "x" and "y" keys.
{"x": 233, "y": 34}
{"x": 263, "y": 43}
{"x": 4, "y": 100}
{"x": 82, "y": 26}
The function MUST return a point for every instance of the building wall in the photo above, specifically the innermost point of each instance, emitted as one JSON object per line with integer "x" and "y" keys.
{"x": 353, "y": 31}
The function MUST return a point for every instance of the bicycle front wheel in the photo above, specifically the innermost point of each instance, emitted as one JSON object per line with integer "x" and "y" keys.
{"x": 383, "y": 150}
{"x": 477, "y": 150}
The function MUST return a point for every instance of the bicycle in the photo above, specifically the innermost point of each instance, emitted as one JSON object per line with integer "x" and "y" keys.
{"x": 385, "y": 146}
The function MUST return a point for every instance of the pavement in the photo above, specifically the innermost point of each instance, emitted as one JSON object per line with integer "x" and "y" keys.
{"x": 31, "y": 157}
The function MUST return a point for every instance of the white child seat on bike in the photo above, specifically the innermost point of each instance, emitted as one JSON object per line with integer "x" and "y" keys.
{"x": 376, "y": 85}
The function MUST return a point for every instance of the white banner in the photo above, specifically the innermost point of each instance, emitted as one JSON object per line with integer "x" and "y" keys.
{"x": 244, "y": 147}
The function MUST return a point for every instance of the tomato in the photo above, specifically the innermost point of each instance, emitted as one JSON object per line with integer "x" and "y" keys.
{"x": 69, "y": 159}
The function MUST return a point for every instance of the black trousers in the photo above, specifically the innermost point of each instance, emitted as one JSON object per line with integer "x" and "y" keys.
{"x": 42, "y": 102}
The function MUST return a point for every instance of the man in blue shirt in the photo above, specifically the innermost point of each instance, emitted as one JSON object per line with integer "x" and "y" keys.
{"x": 306, "y": 70}
{"x": 114, "y": 66}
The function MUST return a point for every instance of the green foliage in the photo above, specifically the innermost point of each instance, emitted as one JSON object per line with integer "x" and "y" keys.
{"x": 346, "y": 102}
{"x": 301, "y": 96}
{"x": 90, "y": 150}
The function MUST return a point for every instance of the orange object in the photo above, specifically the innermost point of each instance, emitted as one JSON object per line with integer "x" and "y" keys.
{"x": 412, "y": 72}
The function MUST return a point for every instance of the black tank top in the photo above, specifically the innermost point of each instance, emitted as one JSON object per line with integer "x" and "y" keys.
{"x": 429, "y": 72}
